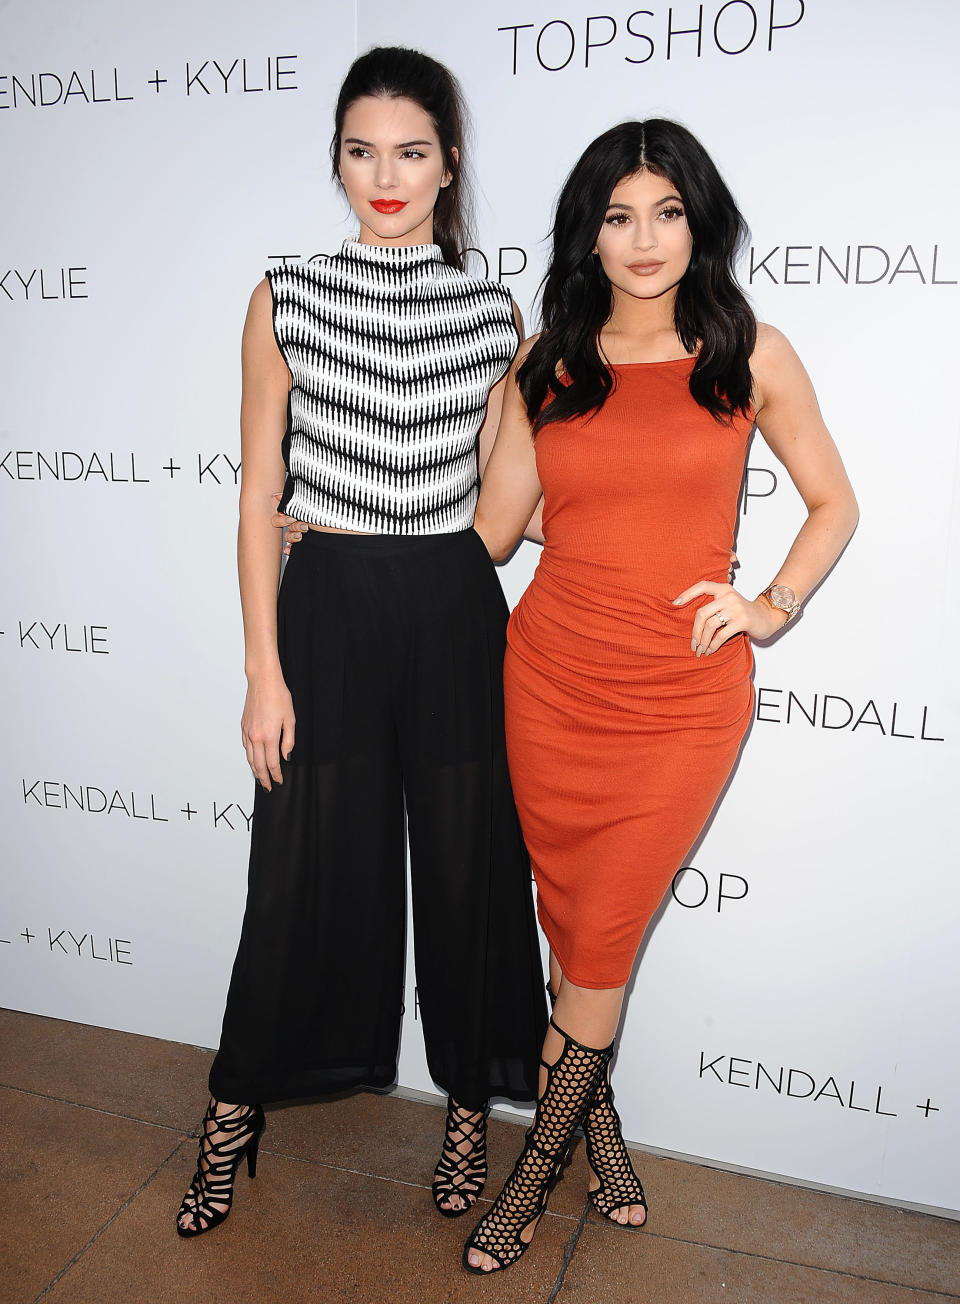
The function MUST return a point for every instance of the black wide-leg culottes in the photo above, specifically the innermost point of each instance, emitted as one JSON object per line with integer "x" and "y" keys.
{"x": 392, "y": 648}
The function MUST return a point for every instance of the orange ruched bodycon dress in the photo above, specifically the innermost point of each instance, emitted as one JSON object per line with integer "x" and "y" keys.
{"x": 619, "y": 738}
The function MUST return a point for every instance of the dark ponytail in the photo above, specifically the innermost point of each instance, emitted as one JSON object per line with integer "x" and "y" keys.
{"x": 393, "y": 72}
{"x": 711, "y": 315}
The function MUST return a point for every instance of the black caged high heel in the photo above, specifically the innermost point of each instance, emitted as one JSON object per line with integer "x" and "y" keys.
{"x": 238, "y": 1131}
{"x": 462, "y": 1167}
{"x": 609, "y": 1159}
{"x": 571, "y": 1082}
{"x": 608, "y": 1156}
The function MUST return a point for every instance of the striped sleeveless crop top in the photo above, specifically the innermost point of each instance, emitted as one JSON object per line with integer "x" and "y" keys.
{"x": 392, "y": 354}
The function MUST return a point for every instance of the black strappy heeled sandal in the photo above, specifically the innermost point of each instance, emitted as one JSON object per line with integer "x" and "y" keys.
{"x": 571, "y": 1082}
{"x": 458, "y": 1173}
{"x": 239, "y": 1131}
{"x": 608, "y": 1156}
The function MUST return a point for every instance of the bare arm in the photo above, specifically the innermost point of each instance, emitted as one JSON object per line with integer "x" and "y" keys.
{"x": 491, "y": 423}
{"x": 268, "y": 710}
{"x": 511, "y": 493}
{"x": 488, "y": 433}
{"x": 533, "y": 530}
{"x": 788, "y": 417}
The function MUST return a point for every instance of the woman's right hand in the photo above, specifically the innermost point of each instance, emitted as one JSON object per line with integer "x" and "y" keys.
{"x": 295, "y": 529}
{"x": 267, "y": 726}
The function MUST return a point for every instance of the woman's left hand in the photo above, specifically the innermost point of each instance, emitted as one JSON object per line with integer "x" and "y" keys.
{"x": 728, "y": 613}
{"x": 295, "y": 529}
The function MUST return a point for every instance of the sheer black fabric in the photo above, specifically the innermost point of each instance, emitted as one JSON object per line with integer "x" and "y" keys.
{"x": 392, "y": 647}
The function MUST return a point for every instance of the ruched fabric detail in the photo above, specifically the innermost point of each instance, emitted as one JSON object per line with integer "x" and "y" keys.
{"x": 620, "y": 739}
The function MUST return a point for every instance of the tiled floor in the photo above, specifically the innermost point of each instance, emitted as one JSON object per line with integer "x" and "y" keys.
{"x": 97, "y": 1146}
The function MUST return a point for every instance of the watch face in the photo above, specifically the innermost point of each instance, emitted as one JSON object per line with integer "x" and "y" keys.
{"x": 782, "y": 597}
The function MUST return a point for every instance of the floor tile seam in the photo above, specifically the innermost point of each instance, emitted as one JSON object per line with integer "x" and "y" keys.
{"x": 569, "y": 1250}
{"x": 396, "y": 1181}
{"x": 794, "y": 1263}
{"x": 98, "y": 1109}
{"x": 109, "y": 1223}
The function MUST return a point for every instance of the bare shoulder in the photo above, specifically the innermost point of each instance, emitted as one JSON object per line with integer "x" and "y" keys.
{"x": 520, "y": 357}
{"x": 526, "y": 346}
{"x": 772, "y": 347}
{"x": 261, "y": 301}
{"x": 259, "y": 321}
{"x": 775, "y": 364}
{"x": 260, "y": 350}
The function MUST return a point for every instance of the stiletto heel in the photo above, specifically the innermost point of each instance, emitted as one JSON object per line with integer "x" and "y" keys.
{"x": 571, "y": 1082}
{"x": 253, "y": 1147}
{"x": 457, "y": 1173}
{"x": 239, "y": 1130}
{"x": 608, "y": 1156}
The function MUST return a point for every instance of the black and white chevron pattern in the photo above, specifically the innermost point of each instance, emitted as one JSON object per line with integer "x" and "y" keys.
{"x": 392, "y": 354}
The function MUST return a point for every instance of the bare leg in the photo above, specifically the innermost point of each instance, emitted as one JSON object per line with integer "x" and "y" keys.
{"x": 588, "y": 1014}
{"x": 556, "y": 976}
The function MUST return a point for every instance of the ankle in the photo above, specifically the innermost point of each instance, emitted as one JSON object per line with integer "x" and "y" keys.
{"x": 469, "y": 1111}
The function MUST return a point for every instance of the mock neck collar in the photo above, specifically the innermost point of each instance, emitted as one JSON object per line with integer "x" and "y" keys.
{"x": 393, "y": 257}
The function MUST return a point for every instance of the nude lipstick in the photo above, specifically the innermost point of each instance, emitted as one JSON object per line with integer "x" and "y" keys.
{"x": 388, "y": 205}
{"x": 645, "y": 269}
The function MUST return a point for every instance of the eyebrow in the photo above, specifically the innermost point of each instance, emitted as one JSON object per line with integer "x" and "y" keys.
{"x": 404, "y": 144}
{"x": 655, "y": 204}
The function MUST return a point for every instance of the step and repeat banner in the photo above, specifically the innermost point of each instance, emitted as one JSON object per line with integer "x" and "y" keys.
{"x": 794, "y": 1008}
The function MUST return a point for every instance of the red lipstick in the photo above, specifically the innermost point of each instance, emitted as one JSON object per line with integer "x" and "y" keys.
{"x": 388, "y": 205}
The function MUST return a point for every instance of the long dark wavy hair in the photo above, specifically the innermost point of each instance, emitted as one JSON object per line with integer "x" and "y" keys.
{"x": 712, "y": 316}
{"x": 394, "y": 72}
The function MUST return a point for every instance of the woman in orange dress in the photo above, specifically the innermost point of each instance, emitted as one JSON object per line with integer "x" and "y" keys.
{"x": 627, "y": 676}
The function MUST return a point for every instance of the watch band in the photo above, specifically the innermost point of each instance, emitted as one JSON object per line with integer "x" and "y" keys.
{"x": 782, "y": 598}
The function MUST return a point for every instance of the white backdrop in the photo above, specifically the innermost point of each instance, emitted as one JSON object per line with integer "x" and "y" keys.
{"x": 794, "y": 1008}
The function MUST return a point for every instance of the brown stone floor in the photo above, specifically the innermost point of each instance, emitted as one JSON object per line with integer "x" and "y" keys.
{"x": 97, "y": 1145}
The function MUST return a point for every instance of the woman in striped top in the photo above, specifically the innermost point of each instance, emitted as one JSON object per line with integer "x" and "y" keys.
{"x": 370, "y": 380}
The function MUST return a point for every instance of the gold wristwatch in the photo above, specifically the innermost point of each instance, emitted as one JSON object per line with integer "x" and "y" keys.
{"x": 782, "y": 598}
